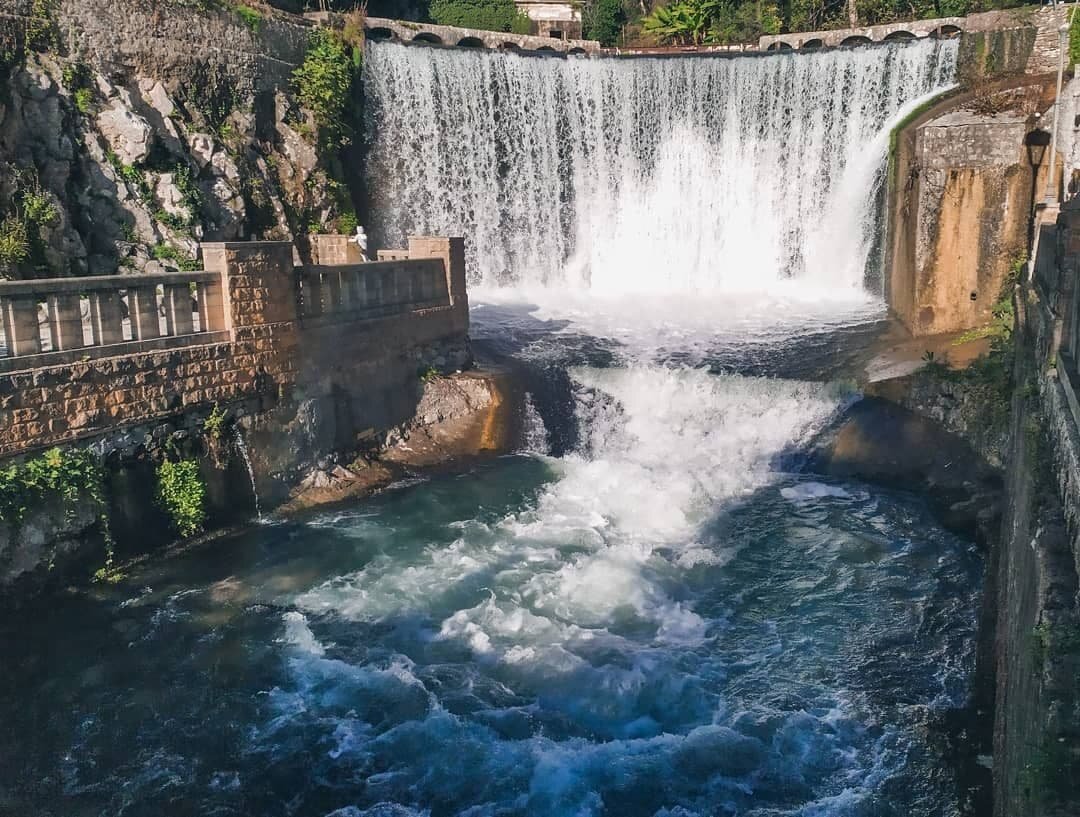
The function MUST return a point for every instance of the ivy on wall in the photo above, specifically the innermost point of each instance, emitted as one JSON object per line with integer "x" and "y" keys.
{"x": 182, "y": 495}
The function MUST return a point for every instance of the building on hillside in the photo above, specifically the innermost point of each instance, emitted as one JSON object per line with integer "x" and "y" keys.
{"x": 560, "y": 19}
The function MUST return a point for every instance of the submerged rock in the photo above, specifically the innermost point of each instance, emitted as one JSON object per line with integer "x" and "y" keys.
{"x": 883, "y": 443}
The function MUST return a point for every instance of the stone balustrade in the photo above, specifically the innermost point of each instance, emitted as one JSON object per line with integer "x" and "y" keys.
{"x": 88, "y": 357}
{"x": 373, "y": 289}
{"x": 51, "y": 321}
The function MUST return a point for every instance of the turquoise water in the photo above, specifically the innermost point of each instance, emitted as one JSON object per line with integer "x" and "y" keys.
{"x": 668, "y": 619}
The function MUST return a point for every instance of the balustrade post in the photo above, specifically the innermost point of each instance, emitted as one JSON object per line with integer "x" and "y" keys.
{"x": 21, "y": 329}
{"x": 333, "y": 291}
{"x": 178, "y": 314}
{"x": 107, "y": 317}
{"x": 313, "y": 298}
{"x": 143, "y": 308}
{"x": 65, "y": 315}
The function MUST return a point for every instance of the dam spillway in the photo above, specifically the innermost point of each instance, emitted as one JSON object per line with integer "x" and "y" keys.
{"x": 643, "y": 175}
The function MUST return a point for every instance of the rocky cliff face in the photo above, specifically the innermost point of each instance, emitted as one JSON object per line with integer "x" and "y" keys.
{"x": 130, "y": 131}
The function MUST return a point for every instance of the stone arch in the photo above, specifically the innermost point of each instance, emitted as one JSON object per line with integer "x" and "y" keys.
{"x": 810, "y": 45}
{"x": 427, "y": 37}
{"x": 779, "y": 45}
{"x": 577, "y": 50}
{"x": 855, "y": 40}
{"x": 947, "y": 32}
{"x": 893, "y": 36}
{"x": 546, "y": 49}
{"x": 380, "y": 34}
{"x": 509, "y": 46}
{"x": 471, "y": 42}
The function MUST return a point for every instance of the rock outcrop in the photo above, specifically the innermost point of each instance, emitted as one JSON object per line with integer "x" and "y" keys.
{"x": 145, "y": 138}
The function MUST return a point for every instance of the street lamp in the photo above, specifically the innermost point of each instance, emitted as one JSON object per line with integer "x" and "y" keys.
{"x": 1063, "y": 38}
{"x": 1035, "y": 141}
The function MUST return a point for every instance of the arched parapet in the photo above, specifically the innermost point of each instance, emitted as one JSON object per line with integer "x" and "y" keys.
{"x": 850, "y": 37}
{"x": 381, "y": 28}
{"x": 428, "y": 38}
{"x": 380, "y": 33}
{"x": 779, "y": 45}
{"x": 946, "y": 32}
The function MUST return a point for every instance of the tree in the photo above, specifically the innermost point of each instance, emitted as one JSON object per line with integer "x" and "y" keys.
{"x": 685, "y": 22}
{"x": 603, "y": 20}
{"x": 487, "y": 15}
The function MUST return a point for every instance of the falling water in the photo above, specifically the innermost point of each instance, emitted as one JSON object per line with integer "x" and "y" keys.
{"x": 241, "y": 446}
{"x": 535, "y": 433}
{"x": 643, "y": 175}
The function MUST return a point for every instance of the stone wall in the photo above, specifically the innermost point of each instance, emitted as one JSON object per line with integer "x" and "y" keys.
{"x": 298, "y": 391}
{"x": 1037, "y": 645}
{"x": 960, "y": 203}
{"x": 269, "y": 353}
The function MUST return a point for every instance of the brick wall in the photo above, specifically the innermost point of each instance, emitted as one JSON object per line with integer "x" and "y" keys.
{"x": 268, "y": 355}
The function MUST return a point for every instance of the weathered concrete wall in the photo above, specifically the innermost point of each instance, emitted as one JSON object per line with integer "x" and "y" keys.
{"x": 1037, "y": 645}
{"x": 959, "y": 208}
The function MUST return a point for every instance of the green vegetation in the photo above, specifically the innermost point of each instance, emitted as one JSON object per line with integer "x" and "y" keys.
{"x": 14, "y": 244}
{"x": 214, "y": 424}
{"x": 324, "y": 83}
{"x": 41, "y": 31}
{"x": 170, "y": 252}
{"x": 427, "y": 373}
{"x": 699, "y": 22}
{"x": 66, "y": 475}
{"x": 132, "y": 176}
{"x": 78, "y": 81}
{"x": 602, "y": 20}
{"x": 250, "y": 17}
{"x": 181, "y": 494}
{"x": 30, "y": 212}
{"x": 488, "y": 15}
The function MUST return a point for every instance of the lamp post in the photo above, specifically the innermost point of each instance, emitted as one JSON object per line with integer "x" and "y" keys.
{"x": 1035, "y": 141}
{"x": 1063, "y": 36}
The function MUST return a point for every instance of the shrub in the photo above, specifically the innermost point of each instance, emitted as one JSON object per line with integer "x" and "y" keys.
{"x": 324, "y": 84}
{"x": 41, "y": 31}
{"x": 14, "y": 244}
{"x": 250, "y": 17}
{"x": 214, "y": 424}
{"x": 603, "y": 20}
{"x": 488, "y": 15}
{"x": 181, "y": 494}
{"x": 170, "y": 252}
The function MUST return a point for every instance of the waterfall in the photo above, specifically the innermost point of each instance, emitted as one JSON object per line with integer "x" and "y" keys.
{"x": 690, "y": 174}
{"x": 535, "y": 436}
{"x": 241, "y": 446}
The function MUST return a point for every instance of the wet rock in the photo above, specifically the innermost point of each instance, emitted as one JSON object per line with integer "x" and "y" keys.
{"x": 881, "y": 442}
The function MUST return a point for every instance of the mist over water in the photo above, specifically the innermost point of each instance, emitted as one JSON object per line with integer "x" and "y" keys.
{"x": 643, "y": 175}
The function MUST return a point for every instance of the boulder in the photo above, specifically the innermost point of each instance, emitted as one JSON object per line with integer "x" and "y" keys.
{"x": 128, "y": 134}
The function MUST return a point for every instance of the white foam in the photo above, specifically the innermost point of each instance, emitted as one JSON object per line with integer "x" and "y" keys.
{"x": 807, "y": 491}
